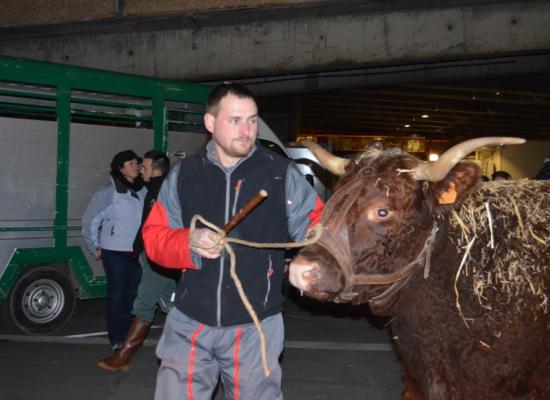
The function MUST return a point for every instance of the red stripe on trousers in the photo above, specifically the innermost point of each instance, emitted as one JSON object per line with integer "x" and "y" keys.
{"x": 192, "y": 362}
{"x": 236, "y": 362}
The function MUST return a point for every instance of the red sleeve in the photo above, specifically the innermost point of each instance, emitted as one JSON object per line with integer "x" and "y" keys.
{"x": 166, "y": 246}
{"x": 316, "y": 213}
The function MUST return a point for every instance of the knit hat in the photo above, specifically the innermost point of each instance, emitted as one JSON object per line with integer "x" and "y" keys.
{"x": 120, "y": 158}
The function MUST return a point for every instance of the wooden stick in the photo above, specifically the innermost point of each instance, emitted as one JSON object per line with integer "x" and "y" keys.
{"x": 243, "y": 212}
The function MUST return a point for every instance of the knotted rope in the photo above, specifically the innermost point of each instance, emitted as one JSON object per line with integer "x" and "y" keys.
{"x": 313, "y": 236}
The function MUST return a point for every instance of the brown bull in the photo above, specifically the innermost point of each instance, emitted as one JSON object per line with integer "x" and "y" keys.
{"x": 464, "y": 269}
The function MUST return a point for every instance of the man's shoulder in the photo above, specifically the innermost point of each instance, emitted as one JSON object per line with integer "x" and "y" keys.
{"x": 272, "y": 156}
{"x": 189, "y": 161}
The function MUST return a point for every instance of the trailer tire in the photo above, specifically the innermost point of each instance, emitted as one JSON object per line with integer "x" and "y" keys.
{"x": 41, "y": 302}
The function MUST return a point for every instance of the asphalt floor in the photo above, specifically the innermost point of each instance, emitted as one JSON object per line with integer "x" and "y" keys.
{"x": 332, "y": 352}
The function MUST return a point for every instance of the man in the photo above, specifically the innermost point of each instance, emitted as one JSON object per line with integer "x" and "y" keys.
{"x": 209, "y": 333}
{"x": 157, "y": 284}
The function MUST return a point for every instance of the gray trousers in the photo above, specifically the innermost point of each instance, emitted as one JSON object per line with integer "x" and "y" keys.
{"x": 193, "y": 356}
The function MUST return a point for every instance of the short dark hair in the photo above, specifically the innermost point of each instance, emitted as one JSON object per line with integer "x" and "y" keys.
{"x": 160, "y": 160}
{"x": 222, "y": 90}
{"x": 120, "y": 158}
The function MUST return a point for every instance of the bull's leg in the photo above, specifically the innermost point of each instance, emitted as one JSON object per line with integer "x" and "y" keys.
{"x": 435, "y": 388}
{"x": 439, "y": 388}
{"x": 410, "y": 389}
{"x": 540, "y": 383}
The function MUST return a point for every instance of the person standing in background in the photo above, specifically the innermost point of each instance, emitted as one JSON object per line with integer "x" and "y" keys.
{"x": 501, "y": 176}
{"x": 157, "y": 284}
{"x": 109, "y": 227}
{"x": 544, "y": 173}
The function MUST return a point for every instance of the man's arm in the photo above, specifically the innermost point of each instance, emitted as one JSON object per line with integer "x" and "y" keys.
{"x": 304, "y": 207}
{"x": 165, "y": 245}
{"x": 167, "y": 242}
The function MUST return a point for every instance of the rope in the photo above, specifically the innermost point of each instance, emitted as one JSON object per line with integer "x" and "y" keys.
{"x": 313, "y": 236}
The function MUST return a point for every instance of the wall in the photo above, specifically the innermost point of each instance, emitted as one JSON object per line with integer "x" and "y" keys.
{"x": 524, "y": 161}
{"x": 213, "y": 47}
{"x": 148, "y": 7}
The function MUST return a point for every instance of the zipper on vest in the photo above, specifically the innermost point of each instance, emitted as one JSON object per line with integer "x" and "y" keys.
{"x": 222, "y": 257}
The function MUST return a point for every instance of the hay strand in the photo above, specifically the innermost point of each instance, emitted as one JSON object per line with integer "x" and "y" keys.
{"x": 518, "y": 215}
{"x": 460, "y": 222}
{"x": 490, "y": 221}
{"x": 537, "y": 238}
{"x": 464, "y": 258}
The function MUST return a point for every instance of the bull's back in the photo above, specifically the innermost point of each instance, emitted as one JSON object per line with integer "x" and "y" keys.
{"x": 481, "y": 321}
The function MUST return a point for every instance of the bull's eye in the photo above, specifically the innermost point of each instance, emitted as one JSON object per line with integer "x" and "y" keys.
{"x": 379, "y": 213}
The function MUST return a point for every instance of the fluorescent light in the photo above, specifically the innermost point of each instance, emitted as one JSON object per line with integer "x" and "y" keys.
{"x": 425, "y": 116}
{"x": 433, "y": 157}
{"x": 406, "y": 126}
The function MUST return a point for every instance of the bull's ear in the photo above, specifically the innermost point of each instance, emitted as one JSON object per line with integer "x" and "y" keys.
{"x": 459, "y": 182}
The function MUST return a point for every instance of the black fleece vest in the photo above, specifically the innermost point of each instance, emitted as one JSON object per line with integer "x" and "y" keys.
{"x": 209, "y": 295}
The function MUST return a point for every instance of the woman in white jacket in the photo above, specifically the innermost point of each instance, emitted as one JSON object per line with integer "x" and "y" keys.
{"x": 109, "y": 226}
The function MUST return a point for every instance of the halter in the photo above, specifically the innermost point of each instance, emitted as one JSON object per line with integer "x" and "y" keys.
{"x": 336, "y": 241}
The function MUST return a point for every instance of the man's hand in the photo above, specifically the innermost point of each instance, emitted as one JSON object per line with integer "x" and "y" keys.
{"x": 97, "y": 254}
{"x": 206, "y": 243}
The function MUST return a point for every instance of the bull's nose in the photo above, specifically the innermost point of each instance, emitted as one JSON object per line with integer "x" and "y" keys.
{"x": 301, "y": 274}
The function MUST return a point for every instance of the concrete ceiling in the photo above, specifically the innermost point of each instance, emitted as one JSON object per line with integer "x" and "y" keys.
{"x": 355, "y": 67}
{"x": 434, "y": 111}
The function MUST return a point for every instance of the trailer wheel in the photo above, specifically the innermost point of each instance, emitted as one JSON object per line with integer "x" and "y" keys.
{"x": 41, "y": 302}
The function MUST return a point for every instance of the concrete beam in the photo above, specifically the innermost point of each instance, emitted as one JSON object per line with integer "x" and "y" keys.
{"x": 26, "y": 13}
{"x": 32, "y": 12}
{"x": 494, "y": 68}
{"x": 306, "y": 43}
{"x": 156, "y": 7}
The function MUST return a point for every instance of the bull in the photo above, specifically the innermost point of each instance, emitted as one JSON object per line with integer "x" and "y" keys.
{"x": 461, "y": 267}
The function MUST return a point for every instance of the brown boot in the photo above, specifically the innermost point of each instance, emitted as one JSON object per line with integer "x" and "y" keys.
{"x": 120, "y": 359}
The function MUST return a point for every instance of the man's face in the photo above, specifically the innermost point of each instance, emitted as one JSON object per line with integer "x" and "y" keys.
{"x": 130, "y": 170}
{"x": 233, "y": 129}
{"x": 147, "y": 169}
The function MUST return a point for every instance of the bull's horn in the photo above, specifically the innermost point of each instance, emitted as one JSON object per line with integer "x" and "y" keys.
{"x": 334, "y": 164}
{"x": 437, "y": 171}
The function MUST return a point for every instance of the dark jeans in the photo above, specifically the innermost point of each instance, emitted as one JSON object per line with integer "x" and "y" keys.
{"x": 123, "y": 273}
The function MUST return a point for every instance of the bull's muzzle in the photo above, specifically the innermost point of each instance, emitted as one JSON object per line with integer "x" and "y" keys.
{"x": 303, "y": 274}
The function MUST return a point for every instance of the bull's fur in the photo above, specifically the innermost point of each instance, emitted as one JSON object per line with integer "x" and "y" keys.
{"x": 504, "y": 264}
{"x": 457, "y": 339}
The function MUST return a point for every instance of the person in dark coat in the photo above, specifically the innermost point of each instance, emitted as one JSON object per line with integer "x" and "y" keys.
{"x": 544, "y": 172}
{"x": 501, "y": 176}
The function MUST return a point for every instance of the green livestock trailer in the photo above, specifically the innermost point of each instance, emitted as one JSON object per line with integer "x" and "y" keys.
{"x": 60, "y": 126}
